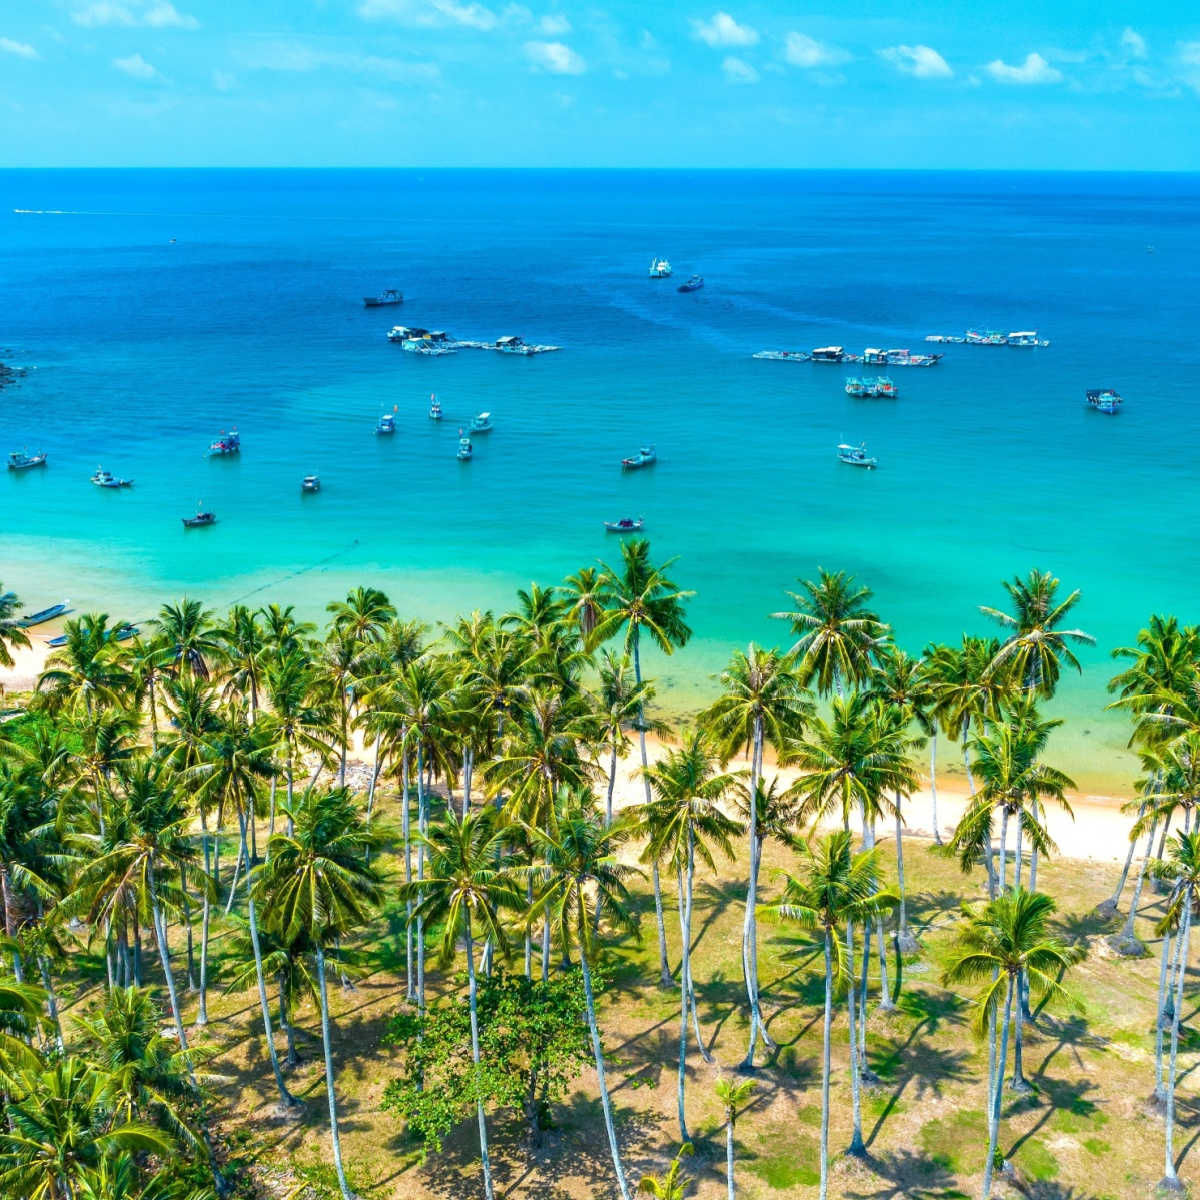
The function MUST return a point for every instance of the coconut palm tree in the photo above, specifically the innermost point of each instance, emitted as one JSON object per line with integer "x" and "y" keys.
{"x": 582, "y": 884}
{"x": 998, "y": 943}
{"x": 620, "y": 702}
{"x": 581, "y": 593}
{"x": 284, "y": 632}
{"x": 837, "y": 635}
{"x": 835, "y": 889}
{"x": 640, "y": 598}
{"x": 733, "y": 1095}
{"x": 1036, "y": 646}
{"x": 669, "y": 1186}
{"x": 683, "y": 819}
{"x": 465, "y": 893}
{"x": 244, "y": 645}
{"x": 337, "y": 679}
{"x": 86, "y": 672}
{"x": 762, "y": 703}
{"x": 189, "y": 638}
{"x": 317, "y": 882}
{"x": 11, "y": 633}
{"x": 362, "y": 615}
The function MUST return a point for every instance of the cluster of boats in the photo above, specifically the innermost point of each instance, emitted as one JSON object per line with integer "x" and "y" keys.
{"x": 871, "y": 356}
{"x": 437, "y": 342}
{"x": 879, "y": 388}
{"x": 1022, "y": 338}
{"x": 119, "y": 633}
{"x": 660, "y": 268}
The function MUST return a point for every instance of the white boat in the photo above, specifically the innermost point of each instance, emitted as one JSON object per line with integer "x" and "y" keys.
{"x": 465, "y": 450}
{"x": 482, "y": 423}
{"x": 386, "y": 424}
{"x": 986, "y": 337}
{"x": 947, "y": 338}
{"x": 1027, "y": 338}
{"x": 310, "y": 483}
{"x": 856, "y": 456}
{"x": 659, "y": 268}
{"x": 104, "y": 479}
{"x": 783, "y": 355}
{"x": 435, "y": 409}
{"x": 1104, "y": 400}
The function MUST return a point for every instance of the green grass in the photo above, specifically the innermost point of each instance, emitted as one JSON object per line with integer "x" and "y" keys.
{"x": 957, "y": 1142}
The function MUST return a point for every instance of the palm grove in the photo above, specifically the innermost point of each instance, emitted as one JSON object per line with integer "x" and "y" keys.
{"x": 196, "y": 782}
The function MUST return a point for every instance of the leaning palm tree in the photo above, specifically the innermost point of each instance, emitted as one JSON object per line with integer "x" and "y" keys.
{"x": 188, "y": 637}
{"x": 835, "y": 889}
{"x": 582, "y": 884}
{"x": 317, "y": 882}
{"x": 684, "y": 819}
{"x": 12, "y": 634}
{"x": 640, "y": 598}
{"x": 466, "y": 892}
{"x": 837, "y": 635}
{"x": 763, "y": 703}
{"x": 620, "y": 703}
{"x": 733, "y": 1096}
{"x": 1036, "y": 646}
{"x": 1006, "y": 939}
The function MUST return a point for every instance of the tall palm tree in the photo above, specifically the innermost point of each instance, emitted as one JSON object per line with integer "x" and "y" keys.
{"x": 362, "y": 615}
{"x": 583, "y": 883}
{"x": 638, "y": 598}
{"x": 338, "y": 677}
{"x": 835, "y": 889}
{"x": 837, "y": 635}
{"x": 86, "y": 672}
{"x": 683, "y": 819}
{"x": 244, "y": 644}
{"x": 583, "y": 603}
{"x": 620, "y": 702}
{"x": 732, "y": 1095}
{"x": 1036, "y": 646}
{"x": 317, "y": 882}
{"x": 11, "y": 632}
{"x": 466, "y": 892}
{"x": 1006, "y": 939}
{"x": 762, "y": 703}
{"x": 189, "y": 637}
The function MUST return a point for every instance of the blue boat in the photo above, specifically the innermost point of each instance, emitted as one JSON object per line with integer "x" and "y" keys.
{"x": 693, "y": 284}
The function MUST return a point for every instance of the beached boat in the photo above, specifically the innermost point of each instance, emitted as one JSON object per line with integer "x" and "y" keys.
{"x": 19, "y": 460}
{"x": 986, "y": 337}
{"x": 310, "y": 483}
{"x": 386, "y": 297}
{"x": 659, "y": 268}
{"x": 643, "y": 458}
{"x": 692, "y": 284}
{"x": 435, "y": 409}
{"x": 1104, "y": 400}
{"x": 386, "y": 424}
{"x": 43, "y": 615}
{"x": 783, "y": 355}
{"x": 201, "y": 518}
{"x": 625, "y": 525}
{"x": 465, "y": 449}
{"x": 482, "y": 423}
{"x": 104, "y": 479}
{"x": 856, "y": 456}
{"x": 227, "y": 443}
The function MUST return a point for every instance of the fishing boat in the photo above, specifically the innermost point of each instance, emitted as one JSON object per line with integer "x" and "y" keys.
{"x": 435, "y": 409}
{"x": 226, "y": 444}
{"x": 783, "y": 355}
{"x": 201, "y": 518}
{"x": 104, "y": 479}
{"x": 1027, "y": 338}
{"x": 386, "y": 297}
{"x": 829, "y": 354}
{"x": 465, "y": 449}
{"x": 386, "y": 424}
{"x": 482, "y": 423}
{"x": 625, "y": 525}
{"x": 43, "y": 615}
{"x": 659, "y": 268}
{"x": 21, "y": 461}
{"x": 948, "y": 338}
{"x": 693, "y": 284}
{"x": 986, "y": 337}
{"x": 1104, "y": 400}
{"x": 310, "y": 483}
{"x": 643, "y": 458}
{"x": 862, "y": 389}
{"x": 856, "y": 456}
{"x": 906, "y": 358}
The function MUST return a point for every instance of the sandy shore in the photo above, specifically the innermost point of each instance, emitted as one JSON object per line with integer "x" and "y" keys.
{"x": 1099, "y": 831}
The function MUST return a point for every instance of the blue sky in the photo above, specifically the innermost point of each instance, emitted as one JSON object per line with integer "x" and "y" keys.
{"x": 1055, "y": 83}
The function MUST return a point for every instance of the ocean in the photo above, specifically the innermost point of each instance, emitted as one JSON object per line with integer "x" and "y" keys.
{"x": 157, "y": 308}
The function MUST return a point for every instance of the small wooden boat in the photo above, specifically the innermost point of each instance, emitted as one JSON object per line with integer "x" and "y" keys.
{"x": 43, "y": 615}
{"x": 692, "y": 284}
{"x": 1104, "y": 400}
{"x": 386, "y": 424}
{"x": 435, "y": 409}
{"x": 625, "y": 525}
{"x": 386, "y": 297}
{"x": 643, "y": 458}
{"x": 20, "y": 461}
{"x": 465, "y": 449}
{"x": 201, "y": 518}
{"x": 104, "y": 479}
{"x": 856, "y": 456}
{"x": 310, "y": 483}
{"x": 482, "y": 423}
{"x": 227, "y": 443}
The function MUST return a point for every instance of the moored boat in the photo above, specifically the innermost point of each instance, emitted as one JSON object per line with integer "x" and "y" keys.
{"x": 783, "y": 355}
{"x": 310, "y": 483}
{"x": 692, "y": 284}
{"x": 659, "y": 268}
{"x": 829, "y": 354}
{"x": 19, "y": 460}
{"x": 386, "y": 424}
{"x": 481, "y": 423}
{"x": 986, "y": 337}
{"x": 625, "y": 525}
{"x": 201, "y": 518}
{"x": 860, "y": 388}
{"x": 1104, "y": 400}
{"x": 104, "y": 479}
{"x": 856, "y": 456}
{"x": 906, "y": 358}
{"x": 948, "y": 338}
{"x": 386, "y": 297}
{"x": 227, "y": 443}
{"x": 1025, "y": 338}
{"x": 465, "y": 449}
{"x": 43, "y": 615}
{"x": 435, "y": 409}
{"x": 643, "y": 458}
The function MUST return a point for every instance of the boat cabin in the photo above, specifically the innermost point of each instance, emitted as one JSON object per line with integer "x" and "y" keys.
{"x": 509, "y": 343}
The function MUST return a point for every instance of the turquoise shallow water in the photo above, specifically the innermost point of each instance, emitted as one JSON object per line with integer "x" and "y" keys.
{"x": 142, "y": 350}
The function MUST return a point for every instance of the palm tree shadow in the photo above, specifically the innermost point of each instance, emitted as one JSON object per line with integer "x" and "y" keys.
{"x": 1071, "y": 1095}
{"x": 928, "y": 909}
{"x": 910, "y": 1175}
{"x": 1072, "y": 1033}
{"x": 929, "y": 1068}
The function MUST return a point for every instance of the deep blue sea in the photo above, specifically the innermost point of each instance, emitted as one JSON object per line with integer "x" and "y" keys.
{"x": 156, "y": 308}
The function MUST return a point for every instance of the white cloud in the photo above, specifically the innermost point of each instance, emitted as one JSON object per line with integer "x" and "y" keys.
{"x": 432, "y": 12}
{"x": 554, "y": 25}
{"x": 738, "y": 70}
{"x": 803, "y": 51}
{"x": 157, "y": 14}
{"x": 723, "y": 30}
{"x": 136, "y": 67}
{"x": 20, "y": 49}
{"x": 922, "y": 61}
{"x": 555, "y": 57}
{"x": 1133, "y": 43}
{"x": 299, "y": 58}
{"x": 1035, "y": 69}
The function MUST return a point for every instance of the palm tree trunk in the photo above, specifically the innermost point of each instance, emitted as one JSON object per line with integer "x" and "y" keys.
{"x": 758, "y": 1030}
{"x": 375, "y": 761}
{"x": 664, "y": 966}
{"x": 406, "y": 831}
{"x": 205, "y": 916}
{"x": 187, "y": 925}
{"x": 51, "y": 1001}
{"x": 612, "y": 783}
{"x": 1127, "y": 937}
{"x": 345, "y": 740}
{"x": 164, "y": 954}
{"x": 1110, "y": 906}
{"x": 271, "y": 814}
{"x": 329, "y": 1091}
{"x": 1019, "y": 854}
{"x": 684, "y": 938}
{"x": 686, "y": 966}
{"x": 729, "y": 1154}
{"x": 1003, "y": 848}
{"x": 994, "y": 1100}
{"x": 468, "y": 777}
{"x": 421, "y": 831}
{"x": 285, "y": 1019}
{"x": 966, "y": 757}
{"x": 1170, "y": 1179}
{"x": 528, "y": 936}
{"x": 857, "y": 1147}
{"x": 906, "y": 943}
{"x": 1019, "y": 1082}
{"x": 474, "y": 1007}
{"x": 937, "y": 833}
{"x": 828, "y": 1027}
{"x": 598, "y": 1052}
